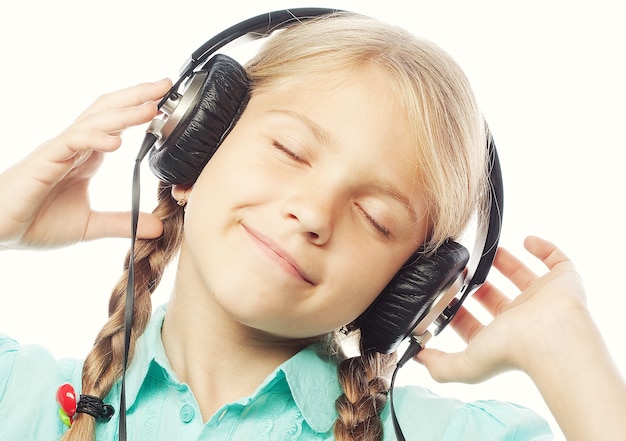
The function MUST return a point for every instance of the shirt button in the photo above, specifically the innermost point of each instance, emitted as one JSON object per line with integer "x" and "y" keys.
{"x": 186, "y": 413}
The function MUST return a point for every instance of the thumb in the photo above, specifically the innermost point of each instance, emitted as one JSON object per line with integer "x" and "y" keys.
{"x": 118, "y": 224}
{"x": 450, "y": 367}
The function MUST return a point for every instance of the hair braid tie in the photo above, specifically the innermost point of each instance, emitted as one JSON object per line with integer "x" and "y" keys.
{"x": 95, "y": 407}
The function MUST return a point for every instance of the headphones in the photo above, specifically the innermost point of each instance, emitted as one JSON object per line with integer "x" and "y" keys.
{"x": 204, "y": 105}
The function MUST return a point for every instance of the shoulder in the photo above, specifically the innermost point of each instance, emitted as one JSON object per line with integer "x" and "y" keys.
{"x": 33, "y": 362}
{"x": 7, "y": 344}
{"x": 29, "y": 378}
{"x": 427, "y": 416}
{"x": 8, "y": 352}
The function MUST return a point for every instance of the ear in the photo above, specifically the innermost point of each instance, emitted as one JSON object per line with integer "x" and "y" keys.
{"x": 181, "y": 192}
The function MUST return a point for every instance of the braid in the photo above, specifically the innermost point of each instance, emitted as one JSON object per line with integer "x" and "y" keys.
{"x": 103, "y": 365}
{"x": 363, "y": 379}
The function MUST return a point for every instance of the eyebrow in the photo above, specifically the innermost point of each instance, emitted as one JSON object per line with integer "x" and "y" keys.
{"x": 324, "y": 138}
{"x": 320, "y": 135}
{"x": 394, "y": 193}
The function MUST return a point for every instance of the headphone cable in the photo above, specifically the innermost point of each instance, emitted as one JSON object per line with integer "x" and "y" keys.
{"x": 415, "y": 346}
{"x": 147, "y": 144}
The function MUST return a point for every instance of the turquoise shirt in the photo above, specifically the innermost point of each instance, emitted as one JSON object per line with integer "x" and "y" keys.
{"x": 297, "y": 401}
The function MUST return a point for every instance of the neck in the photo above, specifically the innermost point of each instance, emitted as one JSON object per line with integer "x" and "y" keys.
{"x": 221, "y": 360}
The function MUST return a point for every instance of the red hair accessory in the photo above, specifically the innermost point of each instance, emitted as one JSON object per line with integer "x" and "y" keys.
{"x": 69, "y": 406}
{"x": 66, "y": 397}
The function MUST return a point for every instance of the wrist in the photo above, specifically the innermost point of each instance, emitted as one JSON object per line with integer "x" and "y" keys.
{"x": 580, "y": 384}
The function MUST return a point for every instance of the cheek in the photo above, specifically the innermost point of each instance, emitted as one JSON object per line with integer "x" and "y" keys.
{"x": 239, "y": 169}
{"x": 363, "y": 274}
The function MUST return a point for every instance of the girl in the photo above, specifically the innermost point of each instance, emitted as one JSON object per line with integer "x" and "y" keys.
{"x": 359, "y": 144}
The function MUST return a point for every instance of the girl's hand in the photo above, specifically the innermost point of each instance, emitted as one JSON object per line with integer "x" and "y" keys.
{"x": 44, "y": 201}
{"x": 547, "y": 332}
{"x": 527, "y": 330}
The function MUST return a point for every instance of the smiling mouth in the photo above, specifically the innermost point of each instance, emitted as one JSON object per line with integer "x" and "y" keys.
{"x": 277, "y": 255}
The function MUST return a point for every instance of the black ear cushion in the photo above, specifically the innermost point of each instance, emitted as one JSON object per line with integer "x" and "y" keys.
{"x": 409, "y": 295}
{"x": 219, "y": 103}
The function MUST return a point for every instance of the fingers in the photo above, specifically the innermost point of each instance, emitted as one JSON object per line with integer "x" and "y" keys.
{"x": 458, "y": 367}
{"x": 117, "y": 224}
{"x": 113, "y": 121}
{"x": 440, "y": 365}
{"x": 546, "y": 251}
{"x": 133, "y": 96}
{"x": 466, "y": 325}
{"x": 485, "y": 354}
{"x": 492, "y": 299}
{"x": 518, "y": 273}
{"x": 98, "y": 128}
{"x": 124, "y": 108}
{"x": 73, "y": 147}
{"x": 513, "y": 269}
{"x": 519, "y": 322}
{"x": 105, "y": 122}
{"x": 98, "y": 132}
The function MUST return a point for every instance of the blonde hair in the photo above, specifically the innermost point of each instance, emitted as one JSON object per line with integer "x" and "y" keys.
{"x": 450, "y": 143}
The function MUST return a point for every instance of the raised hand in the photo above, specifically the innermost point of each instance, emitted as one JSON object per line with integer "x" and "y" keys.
{"x": 521, "y": 326}
{"x": 547, "y": 332}
{"x": 44, "y": 201}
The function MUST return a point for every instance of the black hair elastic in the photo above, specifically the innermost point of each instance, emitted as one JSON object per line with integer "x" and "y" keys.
{"x": 95, "y": 407}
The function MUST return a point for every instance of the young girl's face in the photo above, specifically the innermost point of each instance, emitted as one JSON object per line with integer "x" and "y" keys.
{"x": 307, "y": 210}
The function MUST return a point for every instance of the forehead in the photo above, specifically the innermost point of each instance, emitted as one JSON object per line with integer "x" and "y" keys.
{"x": 358, "y": 93}
{"x": 364, "y": 100}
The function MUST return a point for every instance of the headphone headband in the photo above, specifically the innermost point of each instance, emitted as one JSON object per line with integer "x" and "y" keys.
{"x": 487, "y": 237}
{"x": 259, "y": 26}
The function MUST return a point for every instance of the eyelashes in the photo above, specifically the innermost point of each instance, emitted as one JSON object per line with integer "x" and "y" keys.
{"x": 289, "y": 153}
{"x": 381, "y": 228}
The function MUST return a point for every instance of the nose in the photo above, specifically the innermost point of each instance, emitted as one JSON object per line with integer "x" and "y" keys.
{"x": 312, "y": 211}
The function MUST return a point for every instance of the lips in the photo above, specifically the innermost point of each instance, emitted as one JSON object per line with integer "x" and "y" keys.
{"x": 272, "y": 250}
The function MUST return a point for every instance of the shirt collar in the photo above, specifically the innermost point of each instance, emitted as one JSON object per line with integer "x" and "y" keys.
{"x": 148, "y": 350}
{"x": 311, "y": 378}
{"x": 314, "y": 385}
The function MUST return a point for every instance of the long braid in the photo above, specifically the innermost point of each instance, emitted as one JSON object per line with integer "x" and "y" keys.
{"x": 103, "y": 365}
{"x": 365, "y": 385}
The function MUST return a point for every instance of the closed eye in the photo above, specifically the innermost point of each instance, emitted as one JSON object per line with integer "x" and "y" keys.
{"x": 382, "y": 229}
{"x": 289, "y": 153}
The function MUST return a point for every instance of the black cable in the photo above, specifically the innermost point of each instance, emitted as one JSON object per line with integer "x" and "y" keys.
{"x": 414, "y": 348}
{"x": 147, "y": 144}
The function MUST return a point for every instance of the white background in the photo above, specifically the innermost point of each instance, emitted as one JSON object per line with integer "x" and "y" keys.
{"x": 549, "y": 76}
